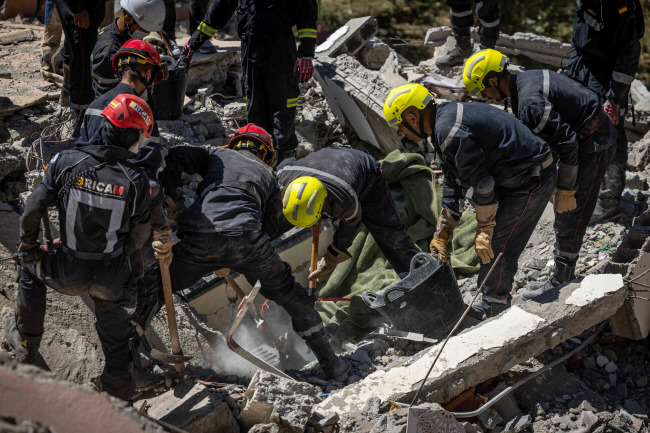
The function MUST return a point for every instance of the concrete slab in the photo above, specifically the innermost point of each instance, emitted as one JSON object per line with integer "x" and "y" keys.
{"x": 633, "y": 320}
{"x": 489, "y": 349}
{"x": 21, "y": 95}
{"x": 194, "y": 408}
{"x": 356, "y": 96}
{"x": 212, "y": 69}
{"x": 539, "y": 48}
{"x": 350, "y": 38}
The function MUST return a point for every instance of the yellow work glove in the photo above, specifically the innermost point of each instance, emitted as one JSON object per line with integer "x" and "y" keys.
{"x": 483, "y": 244}
{"x": 333, "y": 257}
{"x": 485, "y": 222}
{"x": 443, "y": 234}
{"x": 565, "y": 200}
{"x": 162, "y": 246}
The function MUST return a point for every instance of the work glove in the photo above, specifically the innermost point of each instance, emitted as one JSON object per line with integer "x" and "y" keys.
{"x": 333, "y": 257}
{"x": 612, "y": 111}
{"x": 485, "y": 222}
{"x": 304, "y": 68}
{"x": 29, "y": 253}
{"x": 444, "y": 232}
{"x": 162, "y": 246}
{"x": 565, "y": 200}
{"x": 193, "y": 44}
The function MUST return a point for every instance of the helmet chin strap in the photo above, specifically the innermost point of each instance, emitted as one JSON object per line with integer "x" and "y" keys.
{"x": 421, "y": 135}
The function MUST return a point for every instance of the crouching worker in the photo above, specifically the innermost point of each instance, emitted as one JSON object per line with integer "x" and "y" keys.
{"x": 494, "y": 160}
{"x": 231, "y": 224}
{"x": 103, "y": 204}
{"x": 347, "y": 185}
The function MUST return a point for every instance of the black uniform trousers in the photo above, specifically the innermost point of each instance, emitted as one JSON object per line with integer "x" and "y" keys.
{"x": 597, "y": 79}
{"x": 271, "y": 87}
{"x": 111, "y": 286}
{"x": 570, "y": 227}
{"x": 462, "y": 19}
{"x": 78, "y": 47}
{"x": 384, "y": 224}
{"x": 250, "y": 253}
{"x": 516, "y": 219}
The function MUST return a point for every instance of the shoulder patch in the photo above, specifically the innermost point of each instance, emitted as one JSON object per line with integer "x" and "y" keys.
{"x": 622, "y": 10}
{"x": 52, "y": 161}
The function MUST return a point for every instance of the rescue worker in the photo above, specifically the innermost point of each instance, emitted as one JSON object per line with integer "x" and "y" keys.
{"x": 493, "y": 159}
{"x": 138, "y": 66}
{"x": 230, "y": 225}
{"x": 79, "y": 19}
{"x": 103, "y": 204}
{"x": 137, "y": 20}
{"x": 568, "y": 116}
{"x": 606, "y": 54}
{"x": 347, "y": 185}
{"x": 271, "y": 66}
{"x": 461, "y": 18}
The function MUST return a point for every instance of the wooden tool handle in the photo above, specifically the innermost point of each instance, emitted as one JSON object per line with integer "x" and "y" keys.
{"x": 171, "y": 314}
{"x": 314, "y": 254}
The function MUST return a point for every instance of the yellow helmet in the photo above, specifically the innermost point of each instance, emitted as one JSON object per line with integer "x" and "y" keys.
{"x": 478, "y": 66}
{"x": 403, "y": 97}
{"x": 303, "y": 201}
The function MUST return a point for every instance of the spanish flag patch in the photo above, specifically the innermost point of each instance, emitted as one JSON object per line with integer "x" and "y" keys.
{"x": 622, "y": 10}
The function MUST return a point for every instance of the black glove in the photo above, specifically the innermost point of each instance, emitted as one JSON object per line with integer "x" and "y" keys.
{"x": 196, "y": 41}
{"x": 29, "y": 253}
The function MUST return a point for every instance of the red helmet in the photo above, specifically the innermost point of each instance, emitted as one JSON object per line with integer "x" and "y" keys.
{"x": 260, "y": 141}
{"x": 130, "y": 111}
{"x": 136, "y": 51}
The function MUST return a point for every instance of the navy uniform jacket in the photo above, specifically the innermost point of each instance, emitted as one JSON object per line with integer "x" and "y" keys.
{"x": 102, "y": 198}
{"x": 238, "y": 191}
{"x": 556, "y": 108}
{"x": 265, "y": 20}
{"x": 606, "y": 36}
{"x": 483, "y": 148}
{"x": 109, "y": 41}
{"x": 344, "y": 172}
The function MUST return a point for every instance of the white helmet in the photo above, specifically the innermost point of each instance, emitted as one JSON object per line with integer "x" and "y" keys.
{"x": 149, "y": 14}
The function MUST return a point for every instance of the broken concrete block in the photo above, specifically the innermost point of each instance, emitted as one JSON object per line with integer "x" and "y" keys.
{"x": 349, "y": 38}
{"x": 373, "y": 55}
{"x": 194, "y": 408}
{"x": 265, "y": 428}
{"x": 490, "y": 418}
{"x": 356, "y": 96}
{"x": 328, "y": 424}
{"x": 539, "y": 48}
{"x": 21, "y": 95}
{"x": 490, "y": 348}
{"x": 633, "y": 319}
{"x": 271, "y": 398}
{"x": 518, "y": 424}
{"x": 392, "y": 422}
{"x": 29, "y": 393}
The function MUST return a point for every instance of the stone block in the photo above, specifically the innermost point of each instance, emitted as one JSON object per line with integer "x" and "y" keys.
{"x": 432, "y": 419}
{"x": 349, "y": 38}
{"x": 518, "y": 424}
{"x": 271, "y": 398}
{"x": 633, "y": 319}
{"x": 373, "y": 55}
{"x": 194, "y": 408}
{"x": 492, "y": 347}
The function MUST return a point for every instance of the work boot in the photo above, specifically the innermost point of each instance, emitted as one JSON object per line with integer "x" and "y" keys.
{"x": 605, "y": 210}
{"x": 334, "y": 368}
{"x": 458, "y": 54}
{"x": 25, "y": 348}
{"x": 145, "y": 380}
{"x": 562, "y": 275}
{"x": 485, "y": 44}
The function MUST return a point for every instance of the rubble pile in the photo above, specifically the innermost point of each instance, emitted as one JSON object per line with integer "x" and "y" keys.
{"x": 604, "y": 387}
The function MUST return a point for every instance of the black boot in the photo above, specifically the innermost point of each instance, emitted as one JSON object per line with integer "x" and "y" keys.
{"x": 25, "y": 348}
{"x": 605, "y": 210}
{"x": 458, "y": 54}
{"x": 333, "y": 367}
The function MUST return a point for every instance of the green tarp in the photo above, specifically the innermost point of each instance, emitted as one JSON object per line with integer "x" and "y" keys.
{"x": 417, "y": 195}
